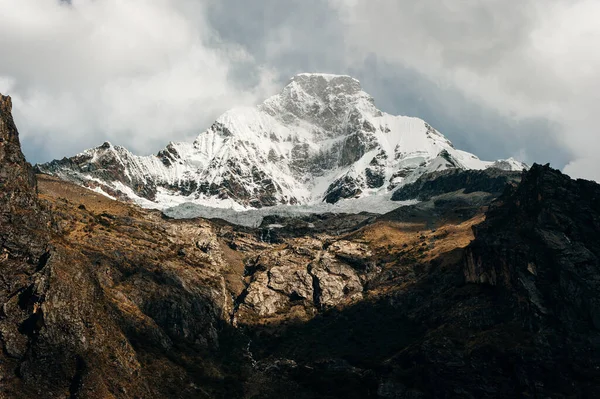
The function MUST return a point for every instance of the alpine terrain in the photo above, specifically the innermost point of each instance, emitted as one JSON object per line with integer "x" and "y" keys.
{"x": 321, "y": 139}
{"x": 485, "y": 285}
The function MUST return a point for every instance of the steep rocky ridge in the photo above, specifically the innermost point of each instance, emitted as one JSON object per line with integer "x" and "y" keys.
{"x": 23, "y": 247}
{"x": 541, "y": 240}
{"x": 491, "y": 180}
{"x": 320, "y": 139}
{"x": 18, "y": 190}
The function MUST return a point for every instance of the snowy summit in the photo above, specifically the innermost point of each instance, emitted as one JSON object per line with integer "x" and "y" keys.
{"x": 321, "y": 139}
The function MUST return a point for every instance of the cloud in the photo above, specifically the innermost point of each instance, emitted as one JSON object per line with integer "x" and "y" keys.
{"x": 324, "y": 35}
{"x": 498, "y": 78}
{"x": 535, "y": 59}
{"x": 290, "y": 36}
{"x": 139, "y": 73}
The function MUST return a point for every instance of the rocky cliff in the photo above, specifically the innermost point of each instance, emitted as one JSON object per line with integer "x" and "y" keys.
{"x": 24, "y": 250}
{"x": 540, "y": 240}
{"x": 427, "y": 186}
{"x": 18, "y": 189}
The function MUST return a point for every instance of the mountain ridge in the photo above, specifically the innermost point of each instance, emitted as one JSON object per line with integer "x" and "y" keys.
{"x": 460, "y": 295}
{"x": 320, "y": 139}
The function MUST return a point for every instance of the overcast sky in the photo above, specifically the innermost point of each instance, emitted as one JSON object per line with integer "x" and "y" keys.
{"x": 499, "y": 78}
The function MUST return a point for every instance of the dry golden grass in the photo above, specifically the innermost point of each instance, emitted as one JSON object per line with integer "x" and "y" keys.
{"x": 93, "y": 222}
{"x": 397, "y": 237}
{"x": 235, "y": 272}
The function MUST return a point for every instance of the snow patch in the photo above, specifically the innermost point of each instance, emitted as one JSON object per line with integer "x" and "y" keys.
{"x": 100, "y": 191}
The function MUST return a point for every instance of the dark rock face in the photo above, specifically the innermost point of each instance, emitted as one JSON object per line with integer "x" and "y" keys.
{"x": 375, "y": 172}
{"x": 352, "y": 149}
{"x": 314, "y": 224}
{"x": 17, "y": 181}
{"x": 454, "y": 207}
{"x": 23, "y": 251}
{"x": 23, "y": 241}
{"x": 344, "y": 187}
{"x": 490, "y": 180}
{"x": 541, "y": 240}
{"x": 539, "y": 244}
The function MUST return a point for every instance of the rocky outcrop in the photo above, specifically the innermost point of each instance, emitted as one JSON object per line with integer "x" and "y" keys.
{"x": 25, "y": 256}
{"x": 334, "y": 282}
{"x": 540, "y": 240}
{"x": 17, "y": 181}
{"x": 491, "y": 180}
{"x": 344, "y": 187}
{"x": 302, "y": 279}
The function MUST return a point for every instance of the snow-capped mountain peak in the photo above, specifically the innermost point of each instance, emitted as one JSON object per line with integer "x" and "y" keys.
{"x": 320, "y": 139}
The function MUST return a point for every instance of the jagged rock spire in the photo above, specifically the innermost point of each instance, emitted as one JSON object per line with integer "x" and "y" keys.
{"x": 17, "y": 180}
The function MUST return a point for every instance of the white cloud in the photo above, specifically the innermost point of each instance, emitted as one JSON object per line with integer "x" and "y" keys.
{"x": 526, "y": 59}
{"x": 139, "y": 72}
{"x": 143, "y": 72}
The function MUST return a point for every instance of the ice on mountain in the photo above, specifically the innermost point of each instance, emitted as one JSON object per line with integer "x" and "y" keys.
{"x": 379, "y": 204}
